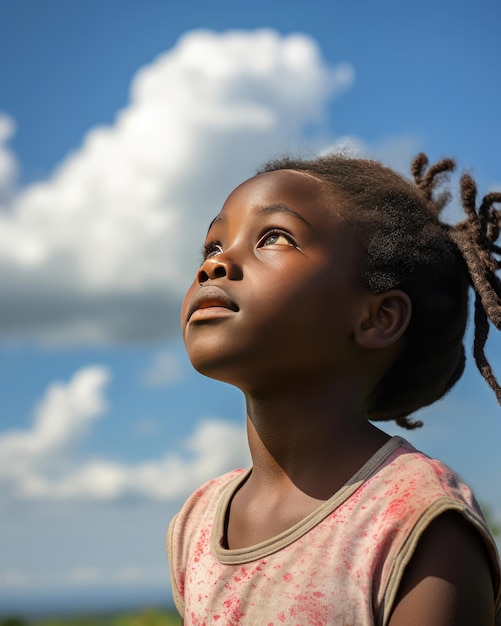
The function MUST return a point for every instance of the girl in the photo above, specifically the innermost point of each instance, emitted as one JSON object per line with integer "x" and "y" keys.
{"x": 331, "y": 294}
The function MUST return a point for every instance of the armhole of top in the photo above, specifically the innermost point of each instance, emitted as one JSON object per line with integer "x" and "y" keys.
{"x": 409, "y": 547}
{"x": 176, "y": 596}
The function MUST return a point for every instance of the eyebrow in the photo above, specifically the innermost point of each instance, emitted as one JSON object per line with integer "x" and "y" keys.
{"x": 218, "y": 218}
{"x": 269, "y": 209}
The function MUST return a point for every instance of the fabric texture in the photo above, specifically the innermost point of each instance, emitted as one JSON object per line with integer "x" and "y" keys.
{"x": 341, "y": 565}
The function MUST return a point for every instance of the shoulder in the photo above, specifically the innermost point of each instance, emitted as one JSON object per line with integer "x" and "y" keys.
{"x": 212, "y": 488}
{"x": 413, "y": 476}
{"x": 441, "y": 546}
{"x": 202, "y": 501}
{"x": 192, "y": 526}
{"x": 448, "y": 581}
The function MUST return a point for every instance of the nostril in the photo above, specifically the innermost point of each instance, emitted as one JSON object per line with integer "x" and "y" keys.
{"x": 211, "y": 268}
{"x": 203, "y": 277}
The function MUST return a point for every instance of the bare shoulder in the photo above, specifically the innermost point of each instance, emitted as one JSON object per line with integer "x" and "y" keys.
{"x": 448, "y": 581}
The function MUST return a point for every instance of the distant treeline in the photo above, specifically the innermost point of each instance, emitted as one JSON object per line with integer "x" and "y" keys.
{"x": 150, "y": 617}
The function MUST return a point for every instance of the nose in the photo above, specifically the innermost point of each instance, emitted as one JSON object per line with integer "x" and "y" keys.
{"x": 219, "y": 266}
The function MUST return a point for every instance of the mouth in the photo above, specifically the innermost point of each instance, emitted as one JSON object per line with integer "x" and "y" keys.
{"x": 210, "y": 301}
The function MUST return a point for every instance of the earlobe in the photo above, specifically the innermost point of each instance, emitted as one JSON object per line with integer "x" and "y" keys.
{"x": 386, "y": 319}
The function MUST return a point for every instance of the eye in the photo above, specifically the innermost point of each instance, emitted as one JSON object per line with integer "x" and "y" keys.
{"x": 211, "y": 249}
{"x": 276, "y": 238}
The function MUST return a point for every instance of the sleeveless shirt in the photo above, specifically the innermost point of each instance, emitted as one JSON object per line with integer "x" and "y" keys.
{"x": 341, "y": 565}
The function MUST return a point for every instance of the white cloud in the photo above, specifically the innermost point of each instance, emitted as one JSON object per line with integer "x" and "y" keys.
{"x": 63, "y": 415}
{"x": 165, "y": 370}
{"x": 215, "y": 447}
{"x": 37, "y": 463}
{"x": 396, "y": 152}
{"x": 103, "y": 249}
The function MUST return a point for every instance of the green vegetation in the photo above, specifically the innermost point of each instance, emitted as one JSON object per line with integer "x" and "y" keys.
{"x": 494, "y": 524}
{"x": 144, "y": 618}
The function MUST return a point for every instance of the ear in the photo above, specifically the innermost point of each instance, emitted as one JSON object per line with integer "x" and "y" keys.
{"x": 385, "y": 319}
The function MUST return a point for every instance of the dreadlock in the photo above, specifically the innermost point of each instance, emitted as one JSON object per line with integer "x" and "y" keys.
{"x": 410, "y": 249}
{"x": 475, "y": 237}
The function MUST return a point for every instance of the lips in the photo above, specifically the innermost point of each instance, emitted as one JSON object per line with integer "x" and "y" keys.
{"x": 209, "y": 297}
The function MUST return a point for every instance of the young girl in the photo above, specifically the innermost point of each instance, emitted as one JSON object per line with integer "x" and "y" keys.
{"x": 331, "y": 294}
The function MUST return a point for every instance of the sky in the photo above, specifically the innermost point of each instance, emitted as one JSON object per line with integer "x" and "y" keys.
{"x": 124, "y": 124}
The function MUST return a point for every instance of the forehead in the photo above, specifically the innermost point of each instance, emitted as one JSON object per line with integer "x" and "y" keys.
{"x": 299, "y": 191}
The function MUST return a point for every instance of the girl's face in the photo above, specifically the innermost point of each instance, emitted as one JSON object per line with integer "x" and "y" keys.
{"x": 279, "y": 290}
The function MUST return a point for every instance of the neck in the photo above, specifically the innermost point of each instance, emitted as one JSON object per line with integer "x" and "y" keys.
{"x": 312, "y": 439}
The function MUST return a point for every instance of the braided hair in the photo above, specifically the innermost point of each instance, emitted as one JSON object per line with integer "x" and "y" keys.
{"x": 409, "y": 248}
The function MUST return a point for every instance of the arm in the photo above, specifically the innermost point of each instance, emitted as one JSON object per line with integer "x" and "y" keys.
{"x": 448, "y": 580}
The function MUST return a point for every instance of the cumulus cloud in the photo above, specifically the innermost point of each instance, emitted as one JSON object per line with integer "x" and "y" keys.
{"x": 65, "y": 413}
{"x": 37, "y": 462}
{"x": 103, "y": 250}
{"x": 214, "y": 447}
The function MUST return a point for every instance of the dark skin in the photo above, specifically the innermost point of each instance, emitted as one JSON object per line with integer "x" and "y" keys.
{"x": 279, "y": 310}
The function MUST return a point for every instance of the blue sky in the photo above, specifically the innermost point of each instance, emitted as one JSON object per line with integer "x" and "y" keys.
{"x": 123, "y": 126}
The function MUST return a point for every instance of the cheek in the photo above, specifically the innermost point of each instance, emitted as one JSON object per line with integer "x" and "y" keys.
{"x": 303, "y": 290}
{"x": 286, "y": 308}
{"x": 313, "y": 307}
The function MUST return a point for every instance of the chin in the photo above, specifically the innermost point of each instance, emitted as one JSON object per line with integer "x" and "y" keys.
{"x": 211, "y": 363}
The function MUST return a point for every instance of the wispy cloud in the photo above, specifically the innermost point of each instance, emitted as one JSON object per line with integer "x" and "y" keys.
{"x": 8, "y": 163}
{"x": 165, "y": 370}
{"x": 396, "y": 152}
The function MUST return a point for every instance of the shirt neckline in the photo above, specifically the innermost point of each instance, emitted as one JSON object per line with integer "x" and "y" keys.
{"x": 265, "y": 548}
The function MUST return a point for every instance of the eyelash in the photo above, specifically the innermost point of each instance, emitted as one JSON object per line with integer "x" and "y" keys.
{"x": 277, "y": 231}
{"x": 212, "y": 248}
